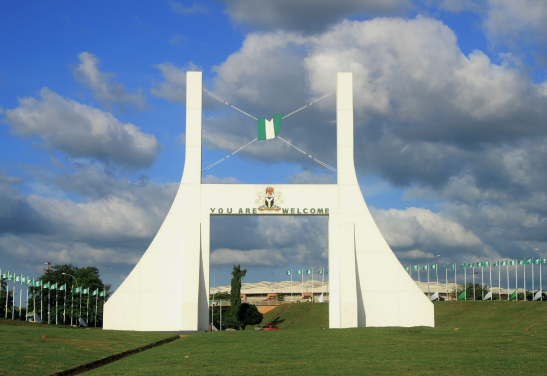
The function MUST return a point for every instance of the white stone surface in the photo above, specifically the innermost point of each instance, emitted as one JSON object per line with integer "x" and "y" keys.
{"x": 368, "y": 285}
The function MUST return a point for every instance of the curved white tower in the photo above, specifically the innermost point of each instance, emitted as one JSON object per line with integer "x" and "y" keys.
{"x": 168, "y": 288}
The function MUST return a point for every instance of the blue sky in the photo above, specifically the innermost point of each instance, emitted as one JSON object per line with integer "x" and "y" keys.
{"x": 450, "y": 101}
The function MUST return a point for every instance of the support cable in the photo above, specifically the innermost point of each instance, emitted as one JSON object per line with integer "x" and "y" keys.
{"x": 309, "y": 155}
{"x": 228, "y": 156}
{"x": 309, "y": 104}
{"x": 226, "y": 103}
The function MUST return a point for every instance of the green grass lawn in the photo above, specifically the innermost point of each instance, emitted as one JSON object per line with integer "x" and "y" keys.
{"x": 470, "y": 338}
{"x": 377, "y": 351}
{"x": 25, "y": 352}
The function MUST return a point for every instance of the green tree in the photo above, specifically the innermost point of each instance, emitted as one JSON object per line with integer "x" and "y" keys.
{"x": 249, "y": 315}
{"x": 220, "y": 295}
{"x": 232, "y": 315}
{"x": 56, "y": 302}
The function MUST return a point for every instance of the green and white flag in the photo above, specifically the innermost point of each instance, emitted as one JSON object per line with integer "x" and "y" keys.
{"x": 521, "y": 262}
{"x": 268, "y": 129}
{"x": 19, "y": 278}
{"x": 453, "y": 266}
{"x": 54, "y": 286}
{"x": 5, "y": 275}
{"x": 512, "y": 263}
{"x": 407, "y": 268}
{"x": 31, "y": 282}
{"x": 497, "y": 263}
{"x": 464, "y": 265}
{"x": 62, "y": 288}
{"x": 46, "y": 285}
{"x": 536, "y": 262}
{"x": 301, "y": 271}
{"x": 11, "y": 276}
{"x": 309, "y": 271}
{"x": 76, "y": 290}
{"x": 461, "y": 296}
{"x": 479, "y": 264}
{"x": 415, "y": 267}
{"x": 321, "y": 271}
{"x": 95, "y": 292}
{"x": 486, "y": 263}
{"x": 85, "y": 291}
{"x": 425, "y": 267}
{"x": 504, "y": 263}
{"x": 434, "y": 267}
{"x": 513, "y": 295}
{"x": 529, "y": 261}
{"x": 472, "y": 265}
{"x": 24, "y": 280}
{"x": 38, "y": 284}
{"x": 103, "y": 293}
{"x": 289, "y": 272}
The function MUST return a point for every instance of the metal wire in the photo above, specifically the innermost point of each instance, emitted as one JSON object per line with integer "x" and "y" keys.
{"x": 309, "y": 155}
{"x": 309, "y": 104}
{"x": 226, "y": 103}
{"x": 228, "y": 156}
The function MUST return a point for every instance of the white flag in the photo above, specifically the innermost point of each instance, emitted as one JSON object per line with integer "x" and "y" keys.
{"x": 214, "y": 329}
{"x": 538, "y": 295}
{"x": 435, "y": 297}
{"x": 488, "y": 296}
{"x": 320, "y": 298}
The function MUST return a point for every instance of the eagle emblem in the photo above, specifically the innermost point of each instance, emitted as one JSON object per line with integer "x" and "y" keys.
{"x": 269, "y": 200}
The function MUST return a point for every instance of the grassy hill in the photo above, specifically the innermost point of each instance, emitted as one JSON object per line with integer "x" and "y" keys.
{"x": 501, "y": 338}
{"x": 504, "y": 338}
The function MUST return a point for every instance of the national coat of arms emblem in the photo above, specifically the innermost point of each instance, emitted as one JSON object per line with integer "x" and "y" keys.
{"x": 269, "y": 200}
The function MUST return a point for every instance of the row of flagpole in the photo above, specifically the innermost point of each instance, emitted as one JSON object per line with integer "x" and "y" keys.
{"x": 308, "y": 271}
{"x": 482, "y": 265}
{"x": 27, "y": 281}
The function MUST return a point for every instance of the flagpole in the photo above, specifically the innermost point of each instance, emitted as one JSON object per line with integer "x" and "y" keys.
{"x": 490, "y": 262}
{"x": 473, "y": 281}
{"x": 13, "y": 301}
{"x": 33, "y": 301}
{"x": 524, "y": 266}
{"x": 56, "y": 305}
{"x": 516, "y": 279}
{"x": 97, "y": 304}
{"x": 508, "y": 297}
{"x": 26, "y": 303}
{"x": 302, "y": 284}
{"x": 533, "y": 285}
{"x": 540, "y": 283}
{"x": 437, "y": 274}
{"x": 87, "y": 310}
{"x": 72, "y": 303}
{"x": 428, "y": 289}
{"x": 482, "y": 281}
{"x": 64, "y": 308}
{"x": 312, "y": 285}
{"x": 20, "y": 302}
{"x": 80, "y": 309}
{"x": 291, "y": 293}
{"x": 419, "y": 275}
{"x": 446, "y": 279}
{"x": 41, "y": 300}
{"x": 456, "y": 280}
{"x": 7, "y": 297}
{"x": 48, "y": 304}
{"x": 465, "y": 281}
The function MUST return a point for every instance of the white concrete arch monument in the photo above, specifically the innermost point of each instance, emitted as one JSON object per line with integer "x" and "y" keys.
{"x": 168, "y": 290}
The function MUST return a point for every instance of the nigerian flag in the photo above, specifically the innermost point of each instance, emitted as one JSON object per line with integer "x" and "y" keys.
{"x": 453, "y": 266}
{"x": 309, "y": 271}
{"x": 268, "y": 129}
{"x": 415, "y": 267}
{"x": 321, "y": 271}
{"x": 425, "y": 267}
{"x": 407, "y": 268}
{"x": 102, "y": 293}
{"x": 289, "y": 272}
{"x": 54, "y": 286}
{"x": 434, "y": 267}
{"x": 95, "y": 292}
{"x": 301, "y": 271}
{"x": 76, "y": 290}
{"x": 461, "y": 296}
{"x": 513, "y": 295}
{"x": 62, "y": 288}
